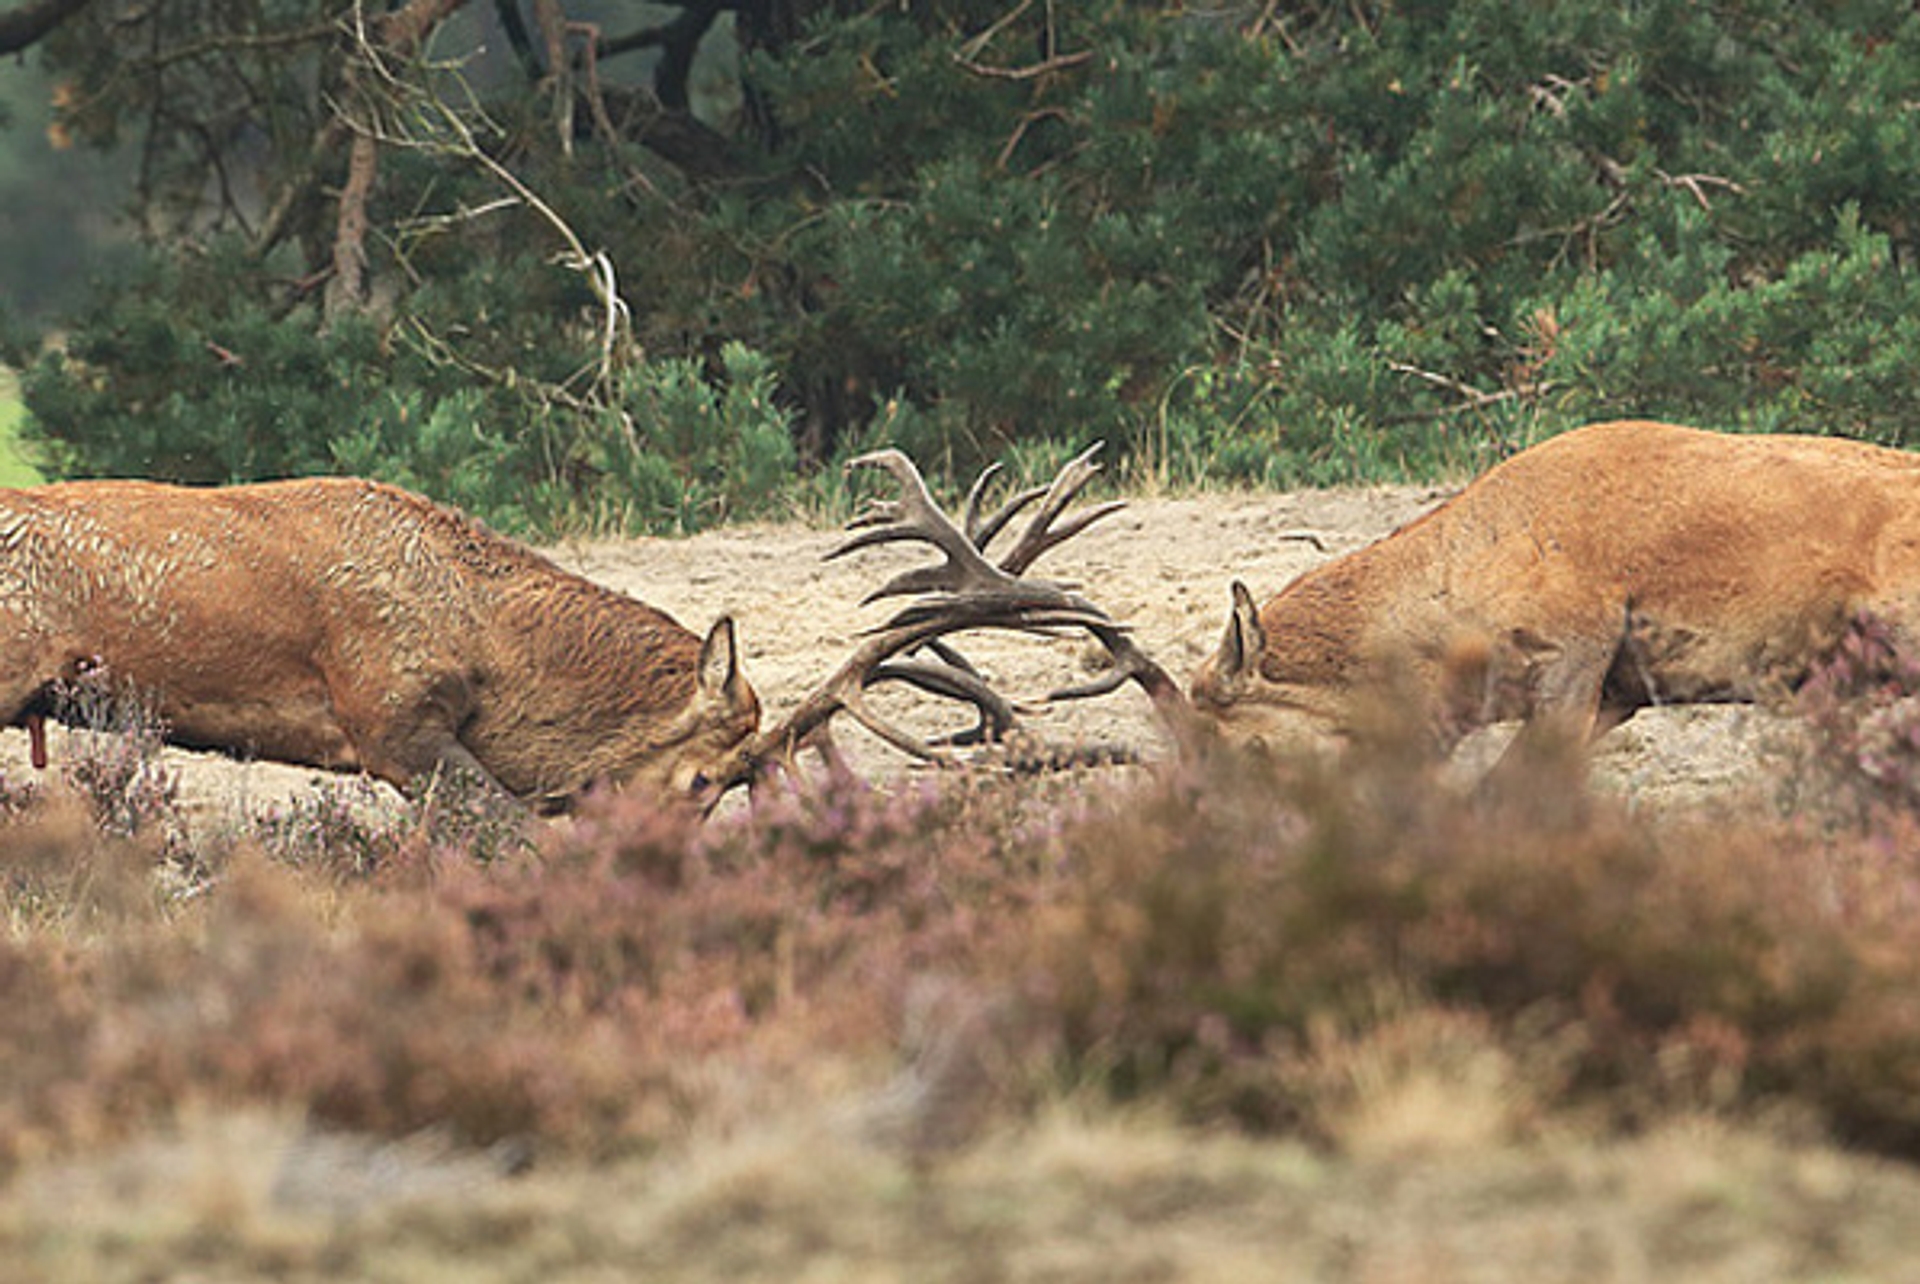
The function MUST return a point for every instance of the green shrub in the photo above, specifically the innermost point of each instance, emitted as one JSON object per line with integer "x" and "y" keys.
{"x": 1329, "y": 244}
{"x": 695, "y": 454}
{"x": 270, "y": 398}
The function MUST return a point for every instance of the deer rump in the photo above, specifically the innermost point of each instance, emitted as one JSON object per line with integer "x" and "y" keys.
{"x": 349, "y": 625}
{"x": 1613, "y": 567}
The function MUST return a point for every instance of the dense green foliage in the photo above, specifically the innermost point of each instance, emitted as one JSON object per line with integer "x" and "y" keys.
{"x": 1274, "y": 243}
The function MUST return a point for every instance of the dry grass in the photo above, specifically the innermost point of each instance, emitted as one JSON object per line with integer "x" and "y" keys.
{"x": 1065, "y": 1197}
{"x": 1234, "y": 1020}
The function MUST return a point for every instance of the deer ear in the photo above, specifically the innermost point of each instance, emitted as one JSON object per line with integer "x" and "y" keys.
{"x": 719, "y": 659}
{"x": 1245, "y": 640}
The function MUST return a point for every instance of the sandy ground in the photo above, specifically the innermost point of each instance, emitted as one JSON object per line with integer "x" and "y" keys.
{"x": 1161, "y": 565}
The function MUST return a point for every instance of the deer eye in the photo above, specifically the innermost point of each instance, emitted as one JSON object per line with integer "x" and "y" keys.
{"x": 699, "y": 783}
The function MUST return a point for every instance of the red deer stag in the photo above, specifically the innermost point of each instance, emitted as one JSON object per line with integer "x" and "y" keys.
{"x": 349, "y": 625}
{"x": 1615, "y": 567}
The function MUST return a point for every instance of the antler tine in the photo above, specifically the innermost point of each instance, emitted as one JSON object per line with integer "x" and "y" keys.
{"x": 1035, "y": 608}
{"x": 1038, "y": 539}
{"x": 923, "y": 624}
{"x": 949, "y": 676}
{"x": 976, "y": 495}
{"x": 874, "y": 663}
{"x": 855, "y": 704}
{"x": 1130, "y": 664}
{"x": 952, "y": 677}
{"x": 982, "y": 532}
{"x": 1040, "y": 534}
{"x": 914, "y": 516}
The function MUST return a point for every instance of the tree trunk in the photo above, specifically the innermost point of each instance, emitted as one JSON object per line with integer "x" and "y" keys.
{"x": 26, "y": 26}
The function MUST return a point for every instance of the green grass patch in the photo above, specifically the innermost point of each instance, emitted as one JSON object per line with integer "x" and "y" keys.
{"x": 14, "y": 468}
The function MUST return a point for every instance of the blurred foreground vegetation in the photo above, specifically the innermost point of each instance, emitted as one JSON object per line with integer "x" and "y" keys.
{"x": 651, "y": 285}
{"x": 1287, "y": 1012}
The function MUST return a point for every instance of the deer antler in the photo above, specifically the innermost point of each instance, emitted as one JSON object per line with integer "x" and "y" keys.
{"x": 1041, "y": 533}
{"x": 963, "y": 592}
{"x": 1130, "y": 663}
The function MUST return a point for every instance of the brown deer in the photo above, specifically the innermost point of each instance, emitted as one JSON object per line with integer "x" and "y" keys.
{"x": 1615, "y": 567}
{"x": 349, "y": 625}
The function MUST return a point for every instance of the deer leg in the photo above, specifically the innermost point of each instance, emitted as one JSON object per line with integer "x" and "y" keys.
{"x": 426, "y": 748}
{"x": 29, "y": 713}
{"x": 456, "y": 761}
{"x": 1562, "y": 697}
{"x": 24, "y": 697}
{"x": 424, "y": 752}
{"x": 415, "y": 736}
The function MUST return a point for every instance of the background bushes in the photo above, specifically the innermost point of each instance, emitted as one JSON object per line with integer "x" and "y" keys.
{"x": 1262, "y": 243}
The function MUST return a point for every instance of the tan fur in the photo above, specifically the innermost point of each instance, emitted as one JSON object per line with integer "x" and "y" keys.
{"x": 1617, "y": 566}
{"x": 350, "y": 625}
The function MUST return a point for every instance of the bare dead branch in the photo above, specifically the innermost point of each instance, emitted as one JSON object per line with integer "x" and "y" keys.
{"x": 1032, "y": 71}
{"x": 396, "y": 35}
{"x": 1471, "y": 398}
{"x": 1695, "y": 185}
{"x": 432, "y": 124}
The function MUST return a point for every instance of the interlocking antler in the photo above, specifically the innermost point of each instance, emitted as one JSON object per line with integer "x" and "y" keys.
{"x": 965, "y": 591}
